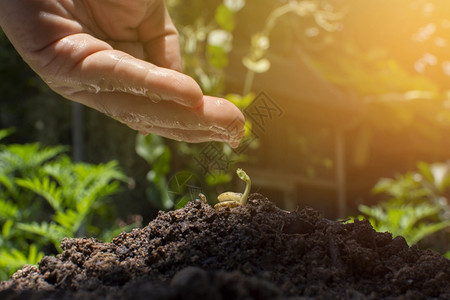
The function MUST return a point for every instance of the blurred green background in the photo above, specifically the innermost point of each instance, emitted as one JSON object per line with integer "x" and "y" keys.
{"x": 348, "y": 111}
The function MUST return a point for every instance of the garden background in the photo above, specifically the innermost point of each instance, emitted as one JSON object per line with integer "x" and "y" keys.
{"x": 348, "y": 111}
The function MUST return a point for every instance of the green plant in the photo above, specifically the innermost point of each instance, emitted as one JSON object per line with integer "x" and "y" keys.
{"x": 158, "y": 156}
{"x": 430, "y": 183}
{"x": 416, "y": 204}
{"x": 412, "y": 221}
{"x": 45, "y": 197}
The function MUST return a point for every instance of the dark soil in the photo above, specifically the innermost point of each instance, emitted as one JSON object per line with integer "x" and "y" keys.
{"x": 252, "y": 252}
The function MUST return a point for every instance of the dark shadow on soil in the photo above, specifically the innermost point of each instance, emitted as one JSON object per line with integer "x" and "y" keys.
{"x": 252, "y": 252}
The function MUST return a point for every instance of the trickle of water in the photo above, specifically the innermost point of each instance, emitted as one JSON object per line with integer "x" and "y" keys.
{"x": 218, "y": 129}
{"x": 131, "y": 117}
{"x": 139, "y": 91}
{"x": 92, "y": 88}
{"x": 148, "y": 126}
{"x": 177, "y": 136}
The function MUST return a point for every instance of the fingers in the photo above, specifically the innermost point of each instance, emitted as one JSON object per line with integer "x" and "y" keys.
{"x": 170, "y": 119}
{"x": 109, "y": 71}
{"x": 160, "y": 38}
{"x": 81, "y": 62}
{"x": 147, "y": 98}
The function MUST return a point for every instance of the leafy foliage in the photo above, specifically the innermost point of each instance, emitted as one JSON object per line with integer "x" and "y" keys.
{"x": 412, "y": 221}
{"x": 45, "y": 197}
{"x": 417, "y": 205}
{"x": 158, "y": 155}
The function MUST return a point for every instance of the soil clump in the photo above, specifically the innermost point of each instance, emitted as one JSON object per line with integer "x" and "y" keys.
{"x": 253, "y": 252}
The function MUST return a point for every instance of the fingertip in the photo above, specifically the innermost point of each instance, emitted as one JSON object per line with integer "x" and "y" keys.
{"x": 224, "y": 113}
{"x": 236, "y": 140}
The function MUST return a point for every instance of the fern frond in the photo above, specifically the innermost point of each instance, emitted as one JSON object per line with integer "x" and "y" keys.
{"x": 50, "y": 231}
{"x": 8, "y": 210}
{"x": 8, "y": 183}
{"x": 27, "y": 157}
{"x": 44, "y": 187}
{"x": 13, "y": 259}
{"x": 71, "y": 220}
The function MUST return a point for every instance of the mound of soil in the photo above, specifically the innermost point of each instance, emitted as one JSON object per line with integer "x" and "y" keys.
{"x": 253, "y": 252}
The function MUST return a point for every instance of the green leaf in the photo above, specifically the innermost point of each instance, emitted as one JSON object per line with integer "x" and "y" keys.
{"x": 241, "y": 102}
{"x": 217, "y": 56}
{"x": 182, "y": 202}
{"x": 44, "y": 187}
{"x": 150, "y": 147}
{"x": 162, "y": 165}
{"x": 70, "y": 220}
{"x": 49, "y": 231}
{"x": 6, "y": 132}
{"x": 425, "y": 171}
{"x": 412, "y": 221}
{"x": 425, "y": 230}
{"x": 225, "y": 18}
{"x": 447, "y": 254}
{"x": 166, "y": 200}
{"x": 34, "y": 256}
{"x": 13, "y": 259}
{"x": 8, "y": 210}
{"x": 8, "y": 183}
{"x": 6, "y": 229}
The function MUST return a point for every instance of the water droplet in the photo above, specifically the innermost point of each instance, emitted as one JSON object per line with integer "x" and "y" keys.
{"x": 92, "y": 88}
{"x": 177, "y": 136}
{"x": 155, "y": 98}
{"x": 218, "y": 102}
{"x": 148, "y": 126}
{"x": 131, "y": 117}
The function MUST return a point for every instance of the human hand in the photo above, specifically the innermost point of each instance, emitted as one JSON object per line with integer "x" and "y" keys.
{"x": 122, "y": 58}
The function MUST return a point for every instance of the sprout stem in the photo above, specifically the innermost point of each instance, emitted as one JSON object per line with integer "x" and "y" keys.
{"x": 242, "y": 175}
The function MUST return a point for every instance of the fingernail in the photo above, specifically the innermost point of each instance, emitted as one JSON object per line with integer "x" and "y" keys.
{"x": 234, "y": 145}
{"x": 235, "y": 142}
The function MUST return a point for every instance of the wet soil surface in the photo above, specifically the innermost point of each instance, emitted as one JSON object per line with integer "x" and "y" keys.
{"x": 252, "y": 252}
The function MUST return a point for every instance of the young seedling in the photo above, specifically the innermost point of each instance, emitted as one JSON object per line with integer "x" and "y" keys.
{"x": 232, "y": 199}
